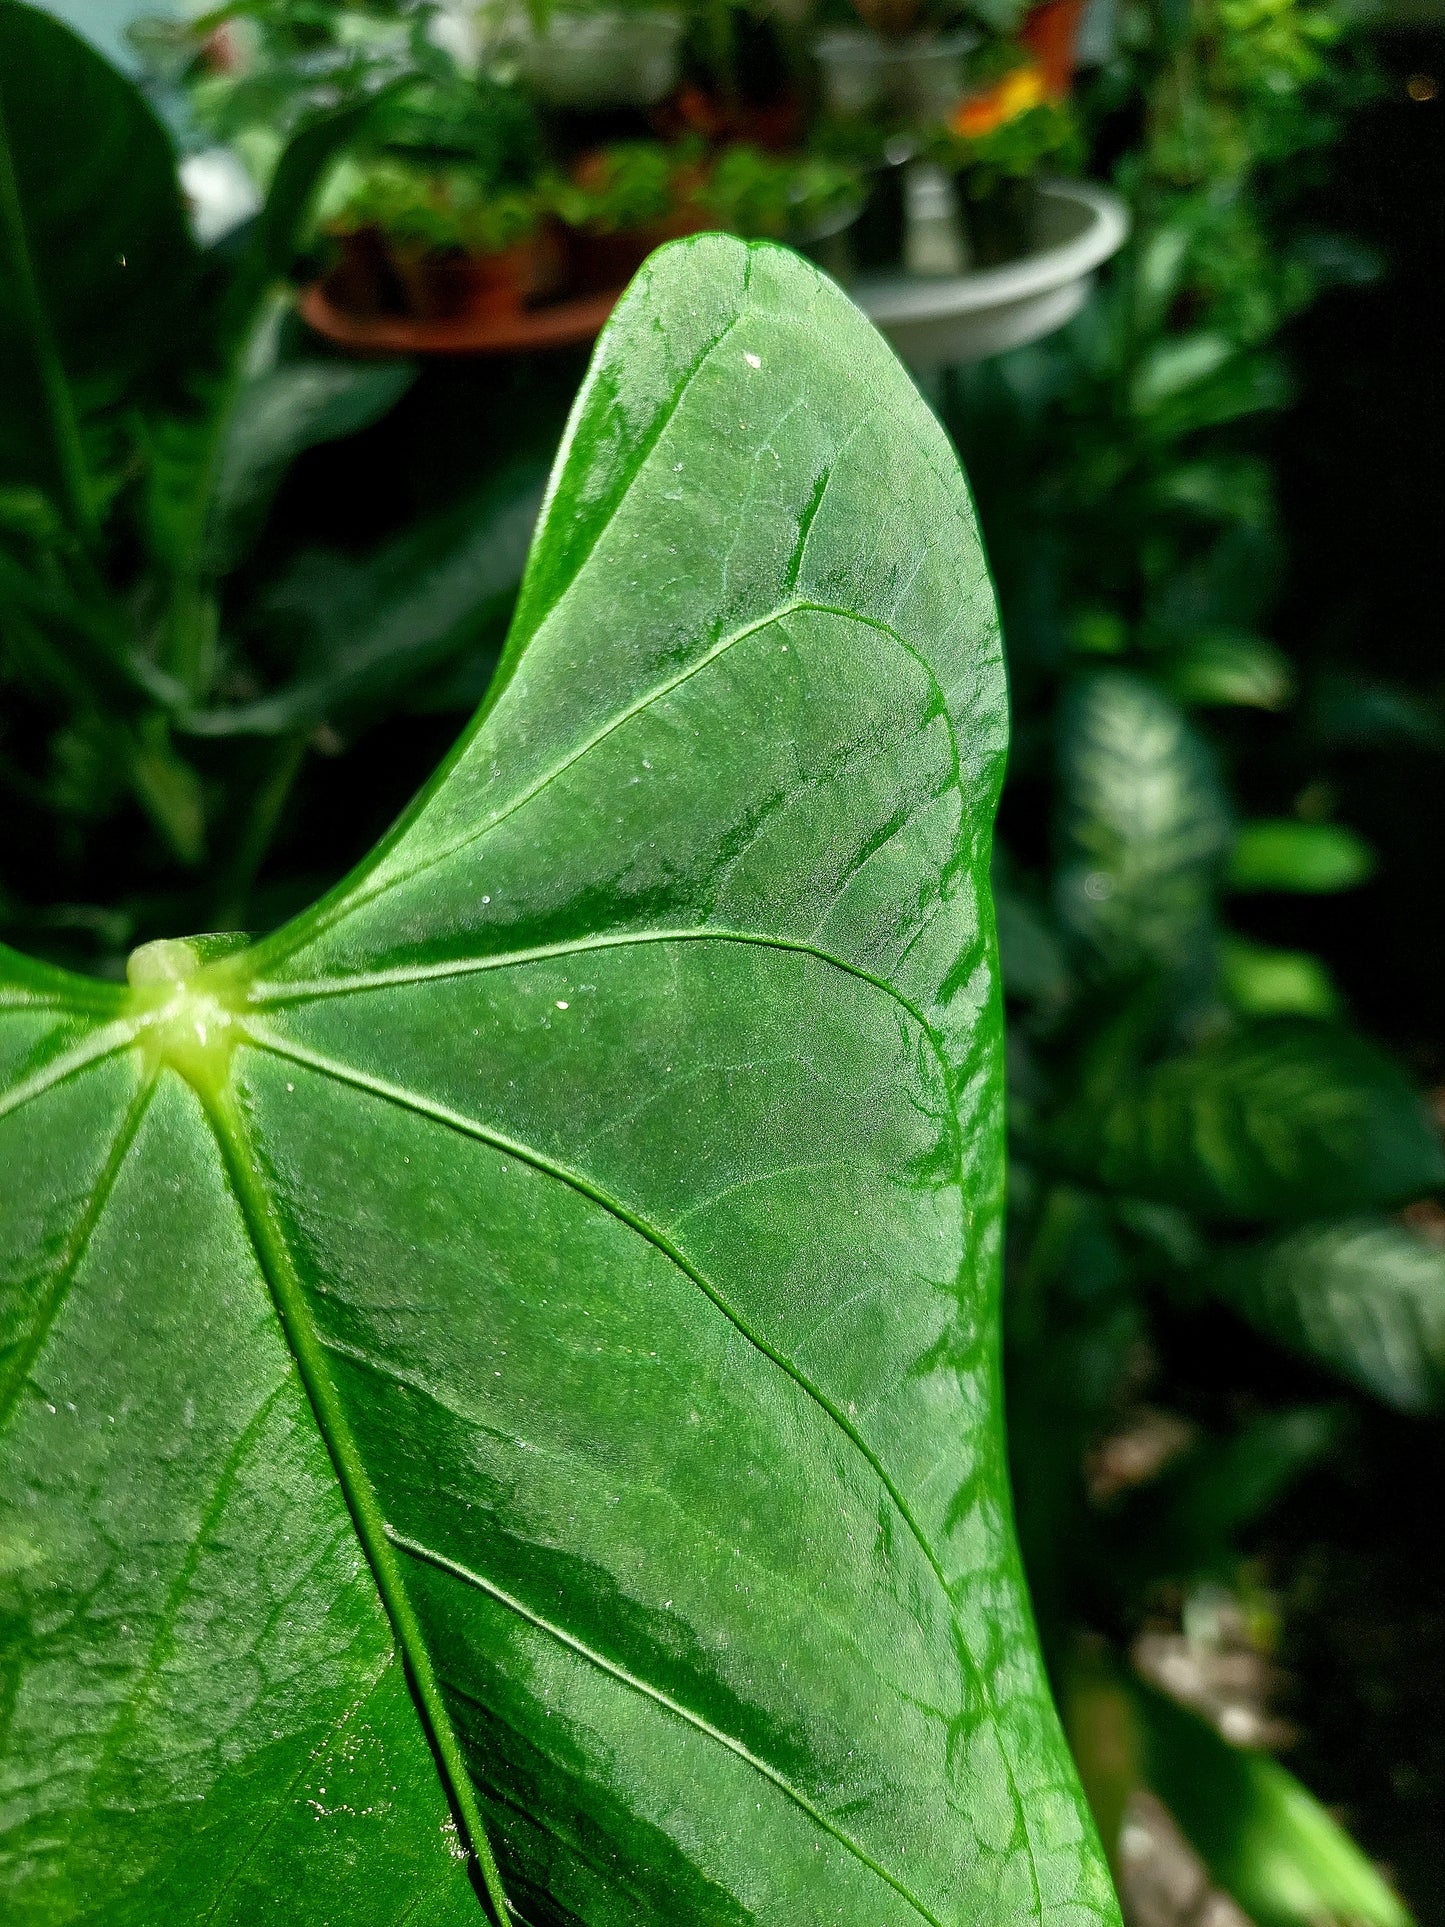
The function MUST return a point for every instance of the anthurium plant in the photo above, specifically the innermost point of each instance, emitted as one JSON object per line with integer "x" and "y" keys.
{"x": 500, "y": 1388}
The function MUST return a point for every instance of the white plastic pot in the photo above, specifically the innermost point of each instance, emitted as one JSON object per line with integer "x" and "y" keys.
{"x": 940, "y": 323}
{"x": 921, "y": 78}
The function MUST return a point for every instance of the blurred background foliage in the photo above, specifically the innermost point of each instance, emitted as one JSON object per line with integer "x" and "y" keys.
{"x": 249, "y": 590}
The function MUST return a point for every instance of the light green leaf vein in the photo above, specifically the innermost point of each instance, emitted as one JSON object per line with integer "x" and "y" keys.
{"x": 649, "y": 1691}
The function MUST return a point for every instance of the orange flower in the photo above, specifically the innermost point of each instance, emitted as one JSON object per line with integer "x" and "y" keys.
{"x": 1006, "y": 100}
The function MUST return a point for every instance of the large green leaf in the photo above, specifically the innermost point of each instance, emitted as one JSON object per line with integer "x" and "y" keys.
{"x": 1277, "y": 1119}
{"x": 95, "y": 260}
{"x": 559, "y": 1273}
{"x": 1363, "y": 1295}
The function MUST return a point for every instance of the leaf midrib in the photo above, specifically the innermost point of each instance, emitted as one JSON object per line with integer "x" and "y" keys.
{"x": 525, "y": 1153}
{"x": 258, "y": 1217}
{"x": 238, "y": 1160}
{"x": 378, "y": 1536}
{"x": 457, "y": 1121}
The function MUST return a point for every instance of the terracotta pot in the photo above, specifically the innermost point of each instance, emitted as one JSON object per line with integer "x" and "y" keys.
{"x": 1050, "y": 33}
{"x": 598, "y": 262}
{"x": 471, "y": 287}
{"x": 776, "y": 125}
{"x": 364, "y": 282}
{"x": 894, "y": 19}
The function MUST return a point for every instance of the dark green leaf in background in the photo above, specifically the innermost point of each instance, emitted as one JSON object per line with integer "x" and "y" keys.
{"x": 96, "y": 263}
{"x": 289, "y": 408}
{"x": 1190, "y": 1523}
{"x": 1365, "y": 1296}
{"x": 1277, "y": 1119}
{"x": 521, "y": 1344}
{"x": 359, "y": 629}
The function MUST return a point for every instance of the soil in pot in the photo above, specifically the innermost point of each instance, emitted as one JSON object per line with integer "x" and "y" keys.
{"x": 364, "y": 281}
{"x": 452, "y": 286}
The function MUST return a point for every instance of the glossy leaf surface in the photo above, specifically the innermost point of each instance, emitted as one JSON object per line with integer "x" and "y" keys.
{"x": 558, "y": 1274}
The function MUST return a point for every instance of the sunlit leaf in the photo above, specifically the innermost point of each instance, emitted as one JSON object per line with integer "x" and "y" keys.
{"x": 1281, "y": 853}
{"x": 1263, "y": 982}
{"x": 1144, "y": 825}
{"x": 1176, "y": 363}
{"x": 1229, "y": 669}
{"x": 564, "y": 1261}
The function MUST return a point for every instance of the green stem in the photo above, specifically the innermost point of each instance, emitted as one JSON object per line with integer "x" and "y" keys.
{"x": 190, "y": 642}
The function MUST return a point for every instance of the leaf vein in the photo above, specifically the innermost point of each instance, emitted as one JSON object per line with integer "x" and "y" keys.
{"x": 588, "y": 1188}
{"x": 53, "y": 1298}
{"x": 442, "y": 1563}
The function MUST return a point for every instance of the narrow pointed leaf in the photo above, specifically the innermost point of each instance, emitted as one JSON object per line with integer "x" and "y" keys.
{"x": 362, "y": 631}
{"x": 96, "y": 263}
{"x": 560, "y": 1271}
{"x": 279, "y": 414}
